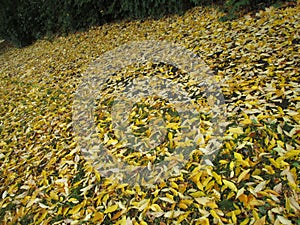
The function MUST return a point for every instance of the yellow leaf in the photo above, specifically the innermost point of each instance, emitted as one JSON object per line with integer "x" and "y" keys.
{"x": 245, "y": 221}
{"x": 236, "y": 130}
{"x": 2, "y": 143}
{"x": 169, "y": 196}
{"x": 269, "y": 169}
{"x": 234, "y": 219}
{"x": 260, "y": 187}
{"x": 174, "y": 185}
{"x": 98, "y": 217}
{"x": 230, "y": 185}
{"x": 182, "y": 217}
{"x": 261, "y": 221}
{"x": 187, "y": 201}
{"x": 202, "y": 221}
{"x": 54, "y": 196}
{"x": 275, "y": 163}
{"x": 246, "y": 121}
{"x": 156, "y": 208}
{"x": 124, "y": 221}
{"x": 239, "y": 158}
{"x": 112, "y": 142}
{"x": 170, "y": 136}
{"x": 243, "y": 175}
{"x": 196, "y": 180}
{"x": 98, "y": 176}
{"x": 217, "y": 177}
{"x": 255, "y": 215}
{"x": 292, "y": 153}
{"x": 118, "y": 214}
{"x": 143, "y": 204}
{"x": 214, "y": 214}
{"x": 197, "y": 194}
{"x": 167, "y": 200}
{"x": 111, "y": 208}
{"x": 240, "y": 192}
{"x": 75, "y": 209}
{"x": 284, "y": 220}
{"x": 173, "y": 214}
{"x": 231, "y": 165}
{"x": 174, "y": 126}
{"x": 73, "y": 200}
{"x": 294, "y": 204}
{"x": 202, "y": 200}
{"x": 212, "y": 205}
{"x": 42, "y": 217}
{"x": 182, "y": 205}
{"x": 222, "y": 161}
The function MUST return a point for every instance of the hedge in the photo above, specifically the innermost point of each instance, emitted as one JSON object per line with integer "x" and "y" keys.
{"x": 24, "y": 21}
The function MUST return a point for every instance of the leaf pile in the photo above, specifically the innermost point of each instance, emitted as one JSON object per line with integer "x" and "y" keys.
{"x": 44, "y": 179}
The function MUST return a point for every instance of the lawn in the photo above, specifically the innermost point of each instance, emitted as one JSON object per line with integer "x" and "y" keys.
{"x": 253, "y": 178}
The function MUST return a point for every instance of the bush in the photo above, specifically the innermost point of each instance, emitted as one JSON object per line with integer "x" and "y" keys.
{"x": 58, "y": 16}
{"x": 24, "y": 21}
{"x": 18, "y": 22}
{"x": 236, "y": 8}
{"x": 144, "y": 8}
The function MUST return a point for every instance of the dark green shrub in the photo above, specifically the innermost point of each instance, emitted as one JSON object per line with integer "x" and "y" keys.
{"x": 19, "y": 22}
{"x": 144, "y": 8}
{"x": 23, "y": 21}
{"x": 236, "y": 8}
{"x": 70, "y": 15}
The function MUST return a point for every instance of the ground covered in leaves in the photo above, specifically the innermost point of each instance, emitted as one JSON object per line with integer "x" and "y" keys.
{"x": 44, "y": 179}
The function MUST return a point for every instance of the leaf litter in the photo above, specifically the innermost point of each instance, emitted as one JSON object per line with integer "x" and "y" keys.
{"x": 255, "y": 176}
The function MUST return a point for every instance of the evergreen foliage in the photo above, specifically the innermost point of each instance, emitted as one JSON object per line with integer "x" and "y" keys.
{"x": 23, "y": 21}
